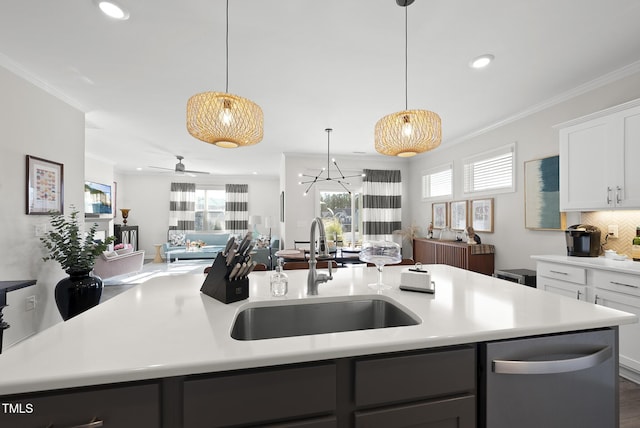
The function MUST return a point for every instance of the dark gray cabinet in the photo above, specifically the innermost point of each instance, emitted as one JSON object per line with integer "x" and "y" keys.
{"x": 259, "y": 397}
{"x": 427, "y": 388}
{"x": 131, "y": 406}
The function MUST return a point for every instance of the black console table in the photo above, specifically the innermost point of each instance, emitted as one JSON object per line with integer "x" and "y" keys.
{"x": 6, "y": 286}
{"x": 126, "y": 235}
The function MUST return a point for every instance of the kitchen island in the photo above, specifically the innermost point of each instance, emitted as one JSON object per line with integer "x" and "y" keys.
{"x": 164, "y": 331}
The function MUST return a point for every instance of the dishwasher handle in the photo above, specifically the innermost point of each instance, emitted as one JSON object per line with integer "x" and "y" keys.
{"x": 552, "y": 366}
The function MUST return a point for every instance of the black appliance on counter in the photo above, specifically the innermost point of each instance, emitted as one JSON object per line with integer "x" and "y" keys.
{"x": 583, "y": 240}
{"x": 521, "y": 276}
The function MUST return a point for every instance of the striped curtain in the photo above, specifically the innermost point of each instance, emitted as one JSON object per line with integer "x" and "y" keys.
{"x": 381, "y": 204}
{"x": 236, "y": 211}
{"x": 182, "y": 205}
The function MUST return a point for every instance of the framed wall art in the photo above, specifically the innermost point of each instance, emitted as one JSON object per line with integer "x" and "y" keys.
{"x": 439, "y": 215}
{"x": 542, "y": 194}
{"x": 45, "y": 186}
{"x": 458, "y": 213}
{"x": 482, "y": 215}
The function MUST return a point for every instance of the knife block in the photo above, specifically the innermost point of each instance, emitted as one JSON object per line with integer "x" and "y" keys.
{"x": 218, "y": 285}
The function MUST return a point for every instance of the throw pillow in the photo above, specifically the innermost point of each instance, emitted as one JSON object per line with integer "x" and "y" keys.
{"x": 124, "y": 251}
{"x": 109, "y": 254}
{"x": 176, "y": 238}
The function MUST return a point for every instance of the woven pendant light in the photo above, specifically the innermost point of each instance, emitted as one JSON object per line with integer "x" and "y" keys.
{"x": 408, "y": 132}
{"x": 224, "y": 119}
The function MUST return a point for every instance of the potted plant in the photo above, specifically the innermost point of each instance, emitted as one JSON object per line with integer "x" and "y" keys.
{"x": 76, "y": 252}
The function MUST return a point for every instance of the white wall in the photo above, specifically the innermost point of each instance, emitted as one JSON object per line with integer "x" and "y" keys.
{"x": 536, "y": 138}
{"x": 33, "y": 122}
{"x": 148, "y": 198}
{"x": 300, "y": 210}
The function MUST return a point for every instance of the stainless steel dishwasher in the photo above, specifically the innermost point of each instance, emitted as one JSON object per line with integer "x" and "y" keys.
{"x": 560, "y": 381}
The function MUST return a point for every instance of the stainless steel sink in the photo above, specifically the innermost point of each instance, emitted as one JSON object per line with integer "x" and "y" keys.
{"x": 301, "y": 319}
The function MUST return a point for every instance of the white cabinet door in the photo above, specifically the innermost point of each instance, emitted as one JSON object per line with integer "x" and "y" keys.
{"x": 628, "y": 194}
{"x": 584, "y": 153}
{"x": 597, "y": 161}
{"x": 629, "y": 333}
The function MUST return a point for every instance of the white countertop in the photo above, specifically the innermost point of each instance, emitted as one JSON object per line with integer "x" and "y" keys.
{"x": 166, "y": 327}
{"x": 626, "y": 266}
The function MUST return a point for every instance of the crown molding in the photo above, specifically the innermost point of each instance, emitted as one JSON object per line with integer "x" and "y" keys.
{"x": 20, "y": 71}
{"x": 596, "y": 83}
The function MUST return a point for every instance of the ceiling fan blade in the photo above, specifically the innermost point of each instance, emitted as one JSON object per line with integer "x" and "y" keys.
{"x": 159, "y": 167}
{"x": 196, "y": 172}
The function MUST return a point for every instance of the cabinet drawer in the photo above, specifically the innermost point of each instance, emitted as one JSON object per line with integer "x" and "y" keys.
{"x": 574, "y": 274}
{"x": 563, "y": 288}
{"x": 259, "y": 396}
{"x": 123, "y": 407}
{"x": 455, "y": 412}
{"x": 615, "y": 281}
{"x": 415, "y": 376}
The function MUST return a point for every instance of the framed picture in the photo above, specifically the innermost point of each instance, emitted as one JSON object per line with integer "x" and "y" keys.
{"x": 458, "y": 213}
{"x": 439, "y": 215}
{"x": 45, "y": 186}
{"x": 482, "y": 215}
{"x": 542, "y": 195}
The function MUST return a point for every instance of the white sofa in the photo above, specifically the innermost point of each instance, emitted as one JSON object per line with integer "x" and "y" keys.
{"x": 120, "y": 264}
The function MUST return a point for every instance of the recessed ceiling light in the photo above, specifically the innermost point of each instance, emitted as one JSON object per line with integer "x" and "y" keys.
{"x": 481, "y": 61}
{"x": 138, "y": 169}
{"x": 112, "y": 10}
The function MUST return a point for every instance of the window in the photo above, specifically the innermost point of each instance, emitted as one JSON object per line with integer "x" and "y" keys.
{"x": 491, "y": 171}
{"x": 438, "y": 182}
{"x": 340, "y": 212}
{"x": 209, "y": 209}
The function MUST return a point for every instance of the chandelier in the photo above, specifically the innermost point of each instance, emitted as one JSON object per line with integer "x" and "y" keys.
{"x": 408, "y": 132}
{"x": 340, "y": 180}
{"x": 224, "y": 119}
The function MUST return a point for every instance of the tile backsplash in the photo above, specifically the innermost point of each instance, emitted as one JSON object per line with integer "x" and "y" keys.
{"x": 627, "y": 222}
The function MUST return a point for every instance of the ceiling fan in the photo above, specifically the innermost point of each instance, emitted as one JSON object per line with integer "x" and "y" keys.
{"x": 180, "y": 168}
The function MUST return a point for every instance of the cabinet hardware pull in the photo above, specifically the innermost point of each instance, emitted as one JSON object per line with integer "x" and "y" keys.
{"x": 596, "y": 300}
{"x": 553, "y": 366}
{"x": 558, "y": 272}
{"x": 94, "y": 423}
{"x": 578, "y": 294}
{"x": 608, "y": 195}
{"x": 618, "y": 198}
{"x": 622, "y": 283}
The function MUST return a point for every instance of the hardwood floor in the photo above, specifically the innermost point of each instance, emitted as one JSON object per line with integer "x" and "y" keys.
{"x": 629, "y": 404}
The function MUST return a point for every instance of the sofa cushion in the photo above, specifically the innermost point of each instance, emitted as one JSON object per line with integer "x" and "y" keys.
{"x": 209, "y": 239}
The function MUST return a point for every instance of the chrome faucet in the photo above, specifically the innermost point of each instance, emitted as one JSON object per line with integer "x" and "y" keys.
{"x": 313, "y": 279}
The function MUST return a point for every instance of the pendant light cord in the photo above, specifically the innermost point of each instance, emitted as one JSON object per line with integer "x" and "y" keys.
{"x": 406, "y": 58}
{"x": 227, "y": 51}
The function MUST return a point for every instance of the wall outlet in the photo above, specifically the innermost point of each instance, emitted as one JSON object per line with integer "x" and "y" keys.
{"x": 41, "y": 229}
{"x": 30, "y": 303}
{"x": 613, "y": 231}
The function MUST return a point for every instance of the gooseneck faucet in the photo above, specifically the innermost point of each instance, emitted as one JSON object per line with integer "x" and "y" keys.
{"x": 314, "y": 278}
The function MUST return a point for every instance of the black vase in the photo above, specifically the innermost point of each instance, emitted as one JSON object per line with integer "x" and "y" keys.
{"x": 77, "y": 293}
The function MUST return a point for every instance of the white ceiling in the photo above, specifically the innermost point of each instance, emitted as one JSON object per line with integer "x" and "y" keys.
{"x": 310, "y": 64}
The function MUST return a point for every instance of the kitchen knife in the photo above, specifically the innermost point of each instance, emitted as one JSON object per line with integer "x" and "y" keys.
{"x": 241, "y": 271}
{"x": 251, "y": 266}
{"x": 245, "y": 243}
{"x": 230, "y": 243}
{"x": 234, "y": 271}
{"x": 230, "y": 256}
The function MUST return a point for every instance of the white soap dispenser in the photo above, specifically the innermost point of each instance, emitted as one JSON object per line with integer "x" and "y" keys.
{"x": 279, "y": 281}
